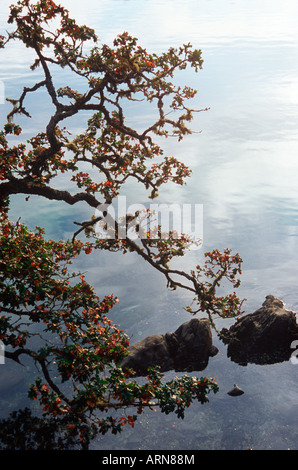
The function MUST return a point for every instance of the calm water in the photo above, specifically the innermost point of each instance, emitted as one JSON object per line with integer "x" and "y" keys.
{"x": 245, "y": 170}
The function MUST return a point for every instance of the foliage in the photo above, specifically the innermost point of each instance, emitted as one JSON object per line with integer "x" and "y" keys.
{"x": 23, "y": 431}
{"x": 80, "y": 349}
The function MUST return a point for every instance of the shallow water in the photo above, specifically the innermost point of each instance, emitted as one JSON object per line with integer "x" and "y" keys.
{"x": 245, "y": 169}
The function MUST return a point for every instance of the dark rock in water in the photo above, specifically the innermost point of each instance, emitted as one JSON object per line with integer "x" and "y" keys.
{"x": 262, "y": 337}
{"x": 188, "y": 348}
{"x": 235, "y": 391}
{"x": 151, "y": 351}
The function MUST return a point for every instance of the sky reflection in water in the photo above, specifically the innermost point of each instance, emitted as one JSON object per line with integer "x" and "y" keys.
{"x": 245, "y": 171}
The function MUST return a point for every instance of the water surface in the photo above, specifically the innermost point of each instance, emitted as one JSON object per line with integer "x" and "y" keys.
{"x": 245, "y": 171}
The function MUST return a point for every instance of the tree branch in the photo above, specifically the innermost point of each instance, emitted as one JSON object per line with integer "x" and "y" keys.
{"x": 18, "y": 186}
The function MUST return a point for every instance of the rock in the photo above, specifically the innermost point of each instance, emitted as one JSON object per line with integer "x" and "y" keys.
{"x": 262, "y": 337}
{"x": 194, "y": 345}
{"x": 188, "y": 348}
{"x": 235, "y": 391}
{"x": 151, "y": 351}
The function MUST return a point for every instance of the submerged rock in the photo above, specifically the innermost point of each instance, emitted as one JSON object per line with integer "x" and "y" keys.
{"x": 262, "y": 337}
{"x": 188, "y": 348}
{"x": 235, "y": 391}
